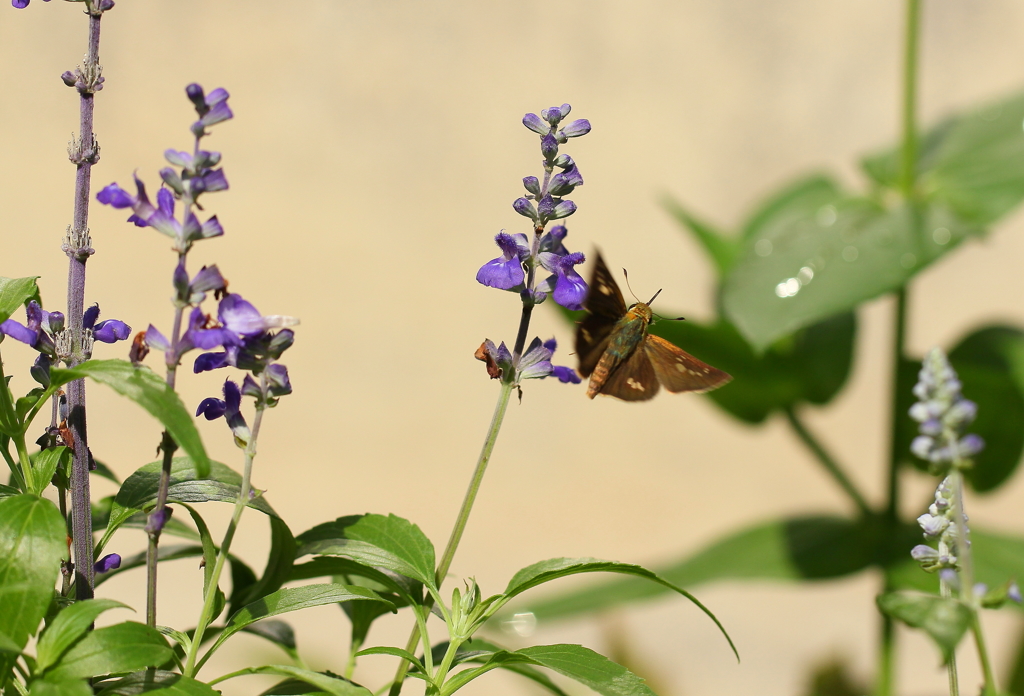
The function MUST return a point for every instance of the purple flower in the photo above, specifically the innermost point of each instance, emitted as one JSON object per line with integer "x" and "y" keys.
{"x": 577, "y": 128}
{"x": 245, "y": 335}
{"x": 506, "y": 271}
{"x": 108, "y": 331}
{"x": 536, "y": 361}
{"x": 109, "y": 562}
{"x": 212, "y": 108}
{"x": 22, "y": 4}
{"x": 566, "y": 286}
{"x": 497, "y": 358}
{"x": 535, "y": 123}
{"x": 524, "y": 207}
{"x": 565, "y": 375}
{"x": 213, "y": 408}
{"x": 158, "y": 519}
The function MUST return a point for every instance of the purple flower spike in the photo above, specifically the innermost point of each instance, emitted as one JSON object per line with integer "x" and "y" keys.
{"x": 109, "y": 562}
{"x": 570, "y": 288}
{"x": 506, "y": 271}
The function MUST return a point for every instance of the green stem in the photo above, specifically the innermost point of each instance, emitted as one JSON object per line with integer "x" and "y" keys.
{"x": 206, "y": 615}
{"x": 908, "y": 185}
{"x": 951, "y": 670}
{"x": 26, "y": 462}
{"x": 830, "y": 464}
{"x": 460, "y": 522}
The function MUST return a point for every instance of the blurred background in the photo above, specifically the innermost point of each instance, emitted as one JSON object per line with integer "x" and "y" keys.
{"x": 376, "y": 150}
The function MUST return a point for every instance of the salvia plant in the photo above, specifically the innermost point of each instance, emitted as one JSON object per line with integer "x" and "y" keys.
{"x": 58, "y": 545}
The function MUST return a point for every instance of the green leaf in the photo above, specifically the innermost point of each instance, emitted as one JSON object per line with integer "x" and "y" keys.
{"x": 480, "y": 651}
{"x": 336, "y": 686}
{"x": 209, "y": 550}
{"x": 44, "y": 465}
{"x": 355, "y": 574}
{"x": 32, "y": 543}
{"x": 810, "y": 367}
{"x": 279, "y": 633}
{"x": 828, "y": 258}
{"x": 574, "y": 661}
{"x": 944, "y": 619}
{"x": 123, "y": 647}
{"x": 720, "y": 248}
{"x": 799, "y": 548}
{"x": 8, "y": 491}
{"x": 555, "y": 568}
{"x": 292, "y": 687}
{"x": 291, "y": 599}
{"x": 148, "y": 390}
{"x": 15, "y": 294}
{"x": 68, "y": 687}
{"x": 138, "y": 492}
{"x": 395, "y": 652}
{"x": 990, "y": 365}
{"x": 70, "y": 625}
{"x": 973, "y": 162}
{"x": 166, "y": 683}
{"x": 389, "y": 542}
{"x": 792, "y": 200}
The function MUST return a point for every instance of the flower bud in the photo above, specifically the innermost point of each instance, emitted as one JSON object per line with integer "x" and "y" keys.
{"x": 532, "y": 185}
{"x": 525, "y": 208}
{"x": 534, "y": 123}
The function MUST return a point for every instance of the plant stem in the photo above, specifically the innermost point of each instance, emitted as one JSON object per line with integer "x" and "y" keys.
{"x": 830, "y": 464}
{"x": 78, "y": 248}
{"x": 206, "y": 615}
{"x": 167, "y": 446}
{"x": 460, "y": 522}
{"x": 908, "y": 185}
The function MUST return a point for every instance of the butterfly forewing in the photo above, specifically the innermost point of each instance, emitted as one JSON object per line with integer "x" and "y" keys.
{"x": 677, "y": 370}
{"x": 605, "y": 306}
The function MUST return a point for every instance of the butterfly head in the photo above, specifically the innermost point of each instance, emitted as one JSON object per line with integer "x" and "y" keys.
{"x": 641, "y": 310}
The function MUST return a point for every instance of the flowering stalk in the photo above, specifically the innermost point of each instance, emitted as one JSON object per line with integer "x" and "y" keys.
{"x": 516, "y": 271}
{"x": 197, "y": 175}
{"x": 943, "y": 415}
{"x": 77, "y": 245}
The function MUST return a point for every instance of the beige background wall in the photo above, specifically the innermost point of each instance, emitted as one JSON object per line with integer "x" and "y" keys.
{"x": 376, "y": 151}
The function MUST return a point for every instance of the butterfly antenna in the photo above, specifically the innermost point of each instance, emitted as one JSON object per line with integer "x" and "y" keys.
{"x": 625, "y": 274}
{"x": 654, "y": 298}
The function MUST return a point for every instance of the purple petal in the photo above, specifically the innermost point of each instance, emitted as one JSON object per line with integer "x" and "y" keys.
{"x": 211, "y": 408}
{"x": 156, "y": 340}
{"x": 570, "y": 288}
{"x": 179, "y": 158}
{"x": 215, "y": 181}
{"x": 206, "y": 339}
{"x": 111, "y": 331}
{"x": 524, "y": 207}
{"x": 114, "y": 195}
{"x": 219, "y": 112}
{"x": 90, "y": 317}
{"x": 536, "y": 124}
{"x": 563, "y": 210}
{"x": 549, "y": 147}
{"x": 580, "y": 126}
{"x": 208, "y": 278}
{"x": 20, "y": 4}
{"x": 240, "y": 316}
{"x": 19, "y": 333}
{"x": 232, "y": 396}
{"x": 211, "y": 228}
{"x": 277, "y": 376}
{"x": 565, "y": 375}
{"x": 210, "y": 361}
{"x": 107, "y": 563}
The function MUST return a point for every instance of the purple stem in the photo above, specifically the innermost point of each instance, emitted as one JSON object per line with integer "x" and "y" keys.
{"x": 83, "y": 154}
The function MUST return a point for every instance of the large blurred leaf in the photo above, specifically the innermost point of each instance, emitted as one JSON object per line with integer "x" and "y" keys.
{"x": 944, "y": 619}
{"x": 720, "y": 247}
{"x": 826, "y": 255}
{"x": 336, "y": 686}
{"x": 32, "y": 542}
{"x": 973, "y": 162}
{"x": 990, "y": 364}
{"x": 800, "y": 548}
{"x": 14, "y": 293}
{"x": 148, "y": 390}
{"x": 811, "y": 366}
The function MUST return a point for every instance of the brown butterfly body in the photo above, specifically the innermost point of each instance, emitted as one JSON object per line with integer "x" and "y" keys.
{"x": 622, "y": 359}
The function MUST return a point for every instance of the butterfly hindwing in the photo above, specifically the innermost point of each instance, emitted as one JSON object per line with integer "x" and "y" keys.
{"x": 633, "y": 380}
{"x": 677, "y": 370}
